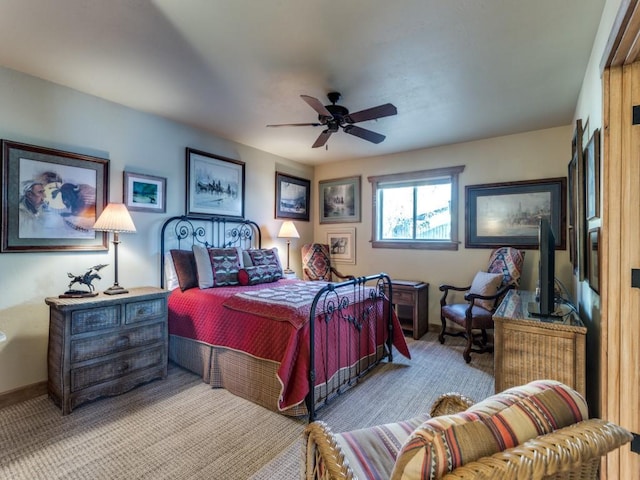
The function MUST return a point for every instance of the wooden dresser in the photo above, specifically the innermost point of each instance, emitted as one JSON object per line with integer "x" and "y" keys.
{"x": 105, "y": 345}
{"x": 528, "y": 348}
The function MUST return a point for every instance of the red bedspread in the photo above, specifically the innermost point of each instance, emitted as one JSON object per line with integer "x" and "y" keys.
{"x": 201, "y": 315}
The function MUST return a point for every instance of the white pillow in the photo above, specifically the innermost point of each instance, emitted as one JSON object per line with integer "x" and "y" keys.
{"x": 486, "y": 284}
{"x": 170, "y": 275}
{"x": 203, "y": 266}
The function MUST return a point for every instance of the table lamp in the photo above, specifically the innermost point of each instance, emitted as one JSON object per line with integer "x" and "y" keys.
{"x": 288, "y": 231}
{"x": 115, "y": 218}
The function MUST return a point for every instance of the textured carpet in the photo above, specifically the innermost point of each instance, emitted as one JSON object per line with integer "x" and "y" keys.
{"x": 180, "y": 428}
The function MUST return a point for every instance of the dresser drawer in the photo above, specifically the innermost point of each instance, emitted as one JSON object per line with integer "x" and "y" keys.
{"x": 95, "y": 319}
{"x": 141, "y": 311}
{"x": 101, "y": 372}
{"x": 403, "y": 298}
{"x": 94, "y": 347}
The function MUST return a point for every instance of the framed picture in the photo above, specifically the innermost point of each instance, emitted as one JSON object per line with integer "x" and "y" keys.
{"x": 340, "y": 200}
{"x": 594, "y": 259}
{"x": 592, "y": 176}
{"x": 145, "y": 193}
{"x": 51, "y": 199}
{"x": 215, "y": 185}
{"x": 293, "y": 195}
{"x": 342, "y": 245}
{"x": 499, "y": 214}
{"x": 574, "y": 195}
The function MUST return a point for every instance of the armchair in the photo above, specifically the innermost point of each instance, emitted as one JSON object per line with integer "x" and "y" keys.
{"x": 483, "y": 296}
{"x": 316, "y": 264}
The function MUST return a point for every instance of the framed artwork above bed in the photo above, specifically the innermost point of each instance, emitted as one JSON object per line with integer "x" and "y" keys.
{"x": 215, "y": 185}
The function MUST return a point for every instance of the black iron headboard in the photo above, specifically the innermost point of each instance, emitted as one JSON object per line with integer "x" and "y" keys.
{"x": 182, "y": 232}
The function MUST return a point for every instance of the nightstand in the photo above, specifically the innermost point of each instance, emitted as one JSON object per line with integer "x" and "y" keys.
{"x": 289, "y": 275}
{"x": 411, "y": 301}
{"x": 105, "y": 345}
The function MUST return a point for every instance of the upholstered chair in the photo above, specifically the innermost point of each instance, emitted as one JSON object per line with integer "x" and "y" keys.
{"x": 316, "y": 264}
{"x": 482, "y": 297}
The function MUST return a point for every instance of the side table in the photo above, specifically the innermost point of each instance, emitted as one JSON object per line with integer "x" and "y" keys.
{"x": 411, "y": 301}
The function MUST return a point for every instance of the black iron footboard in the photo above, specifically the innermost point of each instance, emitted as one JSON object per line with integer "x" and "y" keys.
{"x": 353, "y": 305}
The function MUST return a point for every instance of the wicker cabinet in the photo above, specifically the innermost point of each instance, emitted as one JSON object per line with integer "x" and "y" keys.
{"x": 529, "y": 348}
{"x": 105, "y": 345}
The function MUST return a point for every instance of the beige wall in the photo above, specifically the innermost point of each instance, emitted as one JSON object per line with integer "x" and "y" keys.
{"x": 526, "y": 156}
{"x": 41, "y": 113}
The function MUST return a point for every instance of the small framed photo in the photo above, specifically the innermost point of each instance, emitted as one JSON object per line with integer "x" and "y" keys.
{"x": 594, "y": 259}
{"x": 342, "y": 245}
{"x": 340, "y": 200}
{"x": 145, "y": 193}
{"x": 51, "y": 199}
{"x": 293, "y": 195}
{"x": 215, "y": 185}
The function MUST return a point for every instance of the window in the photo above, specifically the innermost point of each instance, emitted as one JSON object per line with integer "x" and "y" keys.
{"x": 416, "y": 209}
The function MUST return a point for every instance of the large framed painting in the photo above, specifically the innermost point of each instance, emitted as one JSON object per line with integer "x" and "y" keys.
{"x": 51, "y": 199}
{"x": 339, "y": 200}
{"x": 592, "y": 176}
{"x": 500, "y": 214}
{"x": 144, "y": 193}
{"x": 574, "y": 194}
{"x": 293, "y": 195}
{"x": 215, "y": 185}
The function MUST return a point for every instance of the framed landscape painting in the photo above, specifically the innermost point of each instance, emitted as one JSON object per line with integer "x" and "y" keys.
{"x": 500, "y": 214}
{"x": 215, "y": 185}
{"x": 293, "y": 195}
{"x": 145, "y": 193}
{"x": 51, "y": 199}
{"x": 340, "y": 200}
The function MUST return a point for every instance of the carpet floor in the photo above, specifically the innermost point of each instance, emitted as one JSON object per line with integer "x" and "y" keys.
{"x": 180, "y": 428}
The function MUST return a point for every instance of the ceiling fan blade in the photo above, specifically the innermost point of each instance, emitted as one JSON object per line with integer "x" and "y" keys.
{"x": 322, "y": 139}
{"x": 372, "y": 113}
{"x": 317, "y": 106}
{"x": 364, "y": 134}
{"x": 316, "y": 124}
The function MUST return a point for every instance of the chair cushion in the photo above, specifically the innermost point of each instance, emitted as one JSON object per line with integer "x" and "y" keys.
{"x": 485, "y": 283}
{"x": 481, "y": 317}
{"x": 441, "y": 444}
{"x": 316, "y": 261}
{"x": 371, "y": 452}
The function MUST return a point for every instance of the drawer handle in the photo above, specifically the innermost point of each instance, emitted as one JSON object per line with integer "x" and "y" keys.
{"x": 143, "y": 311}
{"x": 122, "y": 341}
{"x": 123, "y": 367}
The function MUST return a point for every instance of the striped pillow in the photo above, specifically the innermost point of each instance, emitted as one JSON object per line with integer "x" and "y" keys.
{"x": 372, "y": 451}
{"x": 441, "y": 444}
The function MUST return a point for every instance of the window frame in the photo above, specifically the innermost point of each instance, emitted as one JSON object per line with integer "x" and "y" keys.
{"x": 411, "y": 177}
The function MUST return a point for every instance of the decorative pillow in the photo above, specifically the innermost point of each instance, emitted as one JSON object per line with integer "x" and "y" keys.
{"x": 184, "y": 264}
{"x": 442, "y": 444}
{"x": 258, "y": 274}
{"x": 262, "y": 257}
{"x": 203, "y": 266}
{"x": 225, "y": 266}
{"x": 170, "y": 275}
{"x": 508, "y": 261}
{"x": 486, "y": 284}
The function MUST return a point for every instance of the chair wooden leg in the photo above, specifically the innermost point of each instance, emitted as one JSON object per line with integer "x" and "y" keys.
{"x": 467, "y": 349}
{"x": 443, "y": 329}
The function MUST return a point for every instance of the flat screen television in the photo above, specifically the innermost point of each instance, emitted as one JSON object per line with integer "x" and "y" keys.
{"x": 545, "y": 304}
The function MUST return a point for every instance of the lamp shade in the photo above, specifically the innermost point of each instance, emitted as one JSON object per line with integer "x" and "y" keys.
{"x": 115, "y": 218}
{"x": 288, "y": 230}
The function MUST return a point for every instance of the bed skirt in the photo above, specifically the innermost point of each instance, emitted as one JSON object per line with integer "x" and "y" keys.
{"x": 251, "y": 378}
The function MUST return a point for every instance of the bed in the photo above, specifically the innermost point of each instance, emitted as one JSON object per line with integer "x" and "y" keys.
{"x": 288, "y": 345}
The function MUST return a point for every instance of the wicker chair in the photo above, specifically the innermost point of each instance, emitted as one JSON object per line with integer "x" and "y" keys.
{"x": 316, "y": 264}
{"x": 573, "y": 452}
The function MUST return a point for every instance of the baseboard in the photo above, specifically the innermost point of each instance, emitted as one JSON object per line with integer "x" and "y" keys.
{"x": 23, "y": 393}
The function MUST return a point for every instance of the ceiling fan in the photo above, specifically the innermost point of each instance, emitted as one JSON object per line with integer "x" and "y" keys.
{"x": 334, "y": 117}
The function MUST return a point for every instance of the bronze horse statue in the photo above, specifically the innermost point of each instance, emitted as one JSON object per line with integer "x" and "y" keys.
{"x": 85, "y": 279}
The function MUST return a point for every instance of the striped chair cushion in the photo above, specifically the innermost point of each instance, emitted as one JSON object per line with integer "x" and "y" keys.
{"x": 441, "y": 444}
{"x": 372, "y": 451}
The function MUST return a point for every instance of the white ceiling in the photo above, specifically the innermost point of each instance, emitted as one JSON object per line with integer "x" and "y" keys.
{"x": 457, "y": 70}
